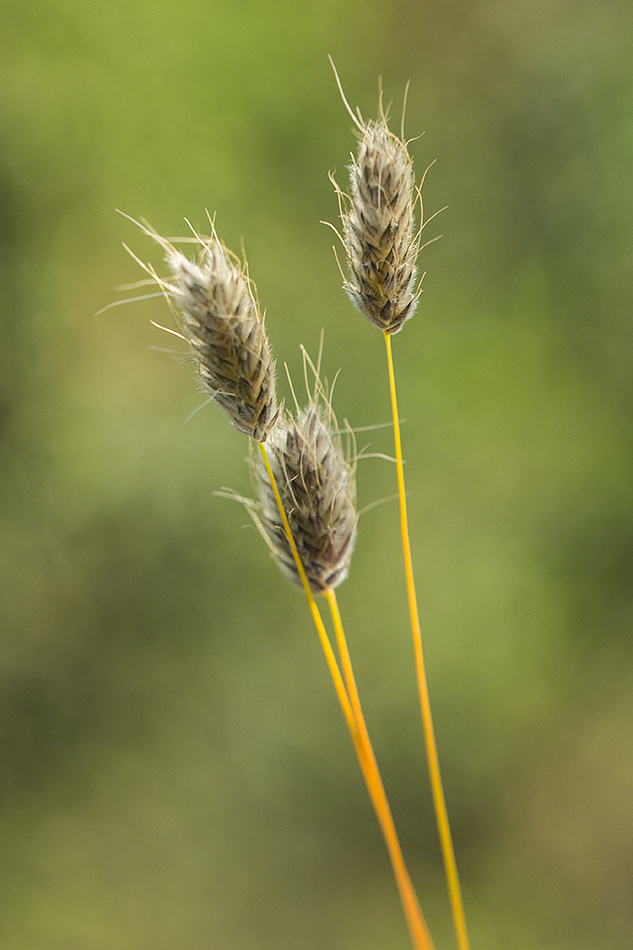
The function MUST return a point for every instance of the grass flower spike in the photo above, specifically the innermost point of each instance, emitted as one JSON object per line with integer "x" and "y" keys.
{"x": 379, "y": 226}
{"x": 317, "y": 488}
{"x": 220, "y": 318}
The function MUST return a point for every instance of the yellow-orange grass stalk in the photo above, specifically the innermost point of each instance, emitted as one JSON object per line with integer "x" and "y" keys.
{"x": 437, "y": 790}
{"x": 350, "y": 705}
{"x": 382, "y": 245}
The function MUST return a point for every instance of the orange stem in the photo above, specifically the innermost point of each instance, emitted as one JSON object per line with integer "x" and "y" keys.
{"x": 417, "y": 926}
{"x": 439, "y": 802}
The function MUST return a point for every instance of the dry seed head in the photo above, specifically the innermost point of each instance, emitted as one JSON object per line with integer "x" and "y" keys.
{"x": 378, "y": 229}
{"x": 220, "y": 318}
{"x": 318, "y": 490}
{"x": 379, "y": 226}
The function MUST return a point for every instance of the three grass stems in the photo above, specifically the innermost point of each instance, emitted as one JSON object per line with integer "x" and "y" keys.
{"x": 306, "y": 509}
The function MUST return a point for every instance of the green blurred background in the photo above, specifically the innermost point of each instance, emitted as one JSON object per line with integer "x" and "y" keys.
{"x": 174, "y": 770}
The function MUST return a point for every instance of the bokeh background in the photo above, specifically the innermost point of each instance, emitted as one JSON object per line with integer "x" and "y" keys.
{"x": 174, "y": 770}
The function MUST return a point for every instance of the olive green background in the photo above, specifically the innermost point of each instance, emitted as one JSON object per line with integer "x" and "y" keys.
{"x": 174, "y": 770}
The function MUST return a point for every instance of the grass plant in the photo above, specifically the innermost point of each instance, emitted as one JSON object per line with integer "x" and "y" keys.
{"x": 382, "y": 247}
{"x": 305, "y": 507}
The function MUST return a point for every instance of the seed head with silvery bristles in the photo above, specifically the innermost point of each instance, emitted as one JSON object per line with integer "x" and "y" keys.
{"x": 379, "y": 226}
{"x": 318, "y": 490}
{"x": 221, "y": 321}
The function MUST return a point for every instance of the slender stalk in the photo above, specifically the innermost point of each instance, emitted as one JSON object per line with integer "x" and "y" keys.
{"x": 350, "y": 704}
{"x": 415, "y": 920}
{"x": 439, "y": 802}
{"x": 330, "y": 658}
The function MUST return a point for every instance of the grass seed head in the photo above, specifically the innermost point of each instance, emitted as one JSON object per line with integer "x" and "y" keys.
{"x": 378, "y": 222}
{"x": 216, "y": 306}
{"x": 318, "y": 490}
{"x": 221, "y": 320}
{"x": 378, "y": 229}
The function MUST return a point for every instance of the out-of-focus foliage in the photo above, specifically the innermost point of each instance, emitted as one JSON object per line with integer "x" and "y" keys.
{"x": 174, "y": 771}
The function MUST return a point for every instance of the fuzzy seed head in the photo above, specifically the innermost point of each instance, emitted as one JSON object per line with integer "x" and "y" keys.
{"x": 318, "y": 491}
{"x": 378, "y": 229}
{"x": 221, "y": 320}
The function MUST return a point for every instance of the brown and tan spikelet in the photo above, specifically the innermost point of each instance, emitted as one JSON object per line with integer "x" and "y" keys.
{"x": 220, "y": 318}
{"x": 318, "y": 490}
{"x": 378, "y": 223}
